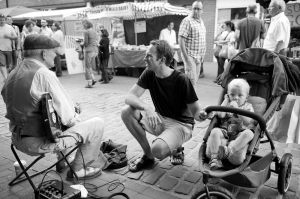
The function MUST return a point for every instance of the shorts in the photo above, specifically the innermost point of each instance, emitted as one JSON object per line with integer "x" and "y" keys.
{"x": 6, "y": 59}
{"x": 174, "y": 133}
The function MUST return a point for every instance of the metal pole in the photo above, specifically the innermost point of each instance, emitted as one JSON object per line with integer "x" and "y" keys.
{"x": 135, "y": 34}
{"x": 6, "y": 1}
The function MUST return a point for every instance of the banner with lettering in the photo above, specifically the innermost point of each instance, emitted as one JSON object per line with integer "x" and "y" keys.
{"x": 292, "y": 11}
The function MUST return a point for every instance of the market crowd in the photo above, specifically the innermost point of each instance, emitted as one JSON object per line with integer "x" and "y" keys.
{"x": 173, "y": 94}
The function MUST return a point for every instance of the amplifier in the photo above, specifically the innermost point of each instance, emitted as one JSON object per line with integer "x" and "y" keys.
{"x": 53, "y": 190}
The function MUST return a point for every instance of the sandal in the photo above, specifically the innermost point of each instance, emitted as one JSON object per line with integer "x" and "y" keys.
{"x": 177, "y": 158}
{"x": 215, "y": 164}
{"x": 141, "y": 164}
{"x": 89, "y": 173}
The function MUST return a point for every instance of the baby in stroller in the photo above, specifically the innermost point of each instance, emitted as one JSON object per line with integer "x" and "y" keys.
{"x": 230, "y": 140}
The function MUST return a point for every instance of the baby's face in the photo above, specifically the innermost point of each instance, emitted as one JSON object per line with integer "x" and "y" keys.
{"x": 238, "y": 94}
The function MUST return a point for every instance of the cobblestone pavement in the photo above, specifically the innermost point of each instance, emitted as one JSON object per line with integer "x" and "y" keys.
{"x": 164, "y": 181}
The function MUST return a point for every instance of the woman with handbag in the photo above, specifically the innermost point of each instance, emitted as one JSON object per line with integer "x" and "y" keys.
{"x": 228, "y": 40}
{"x": 219, "y": 37}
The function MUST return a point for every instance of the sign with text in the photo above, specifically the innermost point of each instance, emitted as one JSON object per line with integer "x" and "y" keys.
{"x": 140, "y": 26}
{"x": 293, "y": 13}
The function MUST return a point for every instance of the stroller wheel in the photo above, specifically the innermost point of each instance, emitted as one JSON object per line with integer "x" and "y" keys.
{"x": 285, "y": 171}
{"x": 214, "y": 192}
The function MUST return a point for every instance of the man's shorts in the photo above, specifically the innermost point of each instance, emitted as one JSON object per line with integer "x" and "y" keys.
{"x": 6, "y": 59}
{"x": 171, "y": 131}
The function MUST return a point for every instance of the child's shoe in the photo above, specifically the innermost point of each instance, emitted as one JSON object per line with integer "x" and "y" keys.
{"x": 215, "y": 164}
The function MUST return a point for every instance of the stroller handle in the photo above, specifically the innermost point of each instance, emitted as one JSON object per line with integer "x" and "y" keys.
{"x": 252, "y": 115}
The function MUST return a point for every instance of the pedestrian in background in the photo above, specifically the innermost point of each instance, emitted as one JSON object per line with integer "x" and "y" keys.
{"x": 29, "y": 30}
{"x": 16, "y": 44}
{"x": 104, "y": 56}
{"x": 278, "y": 34}
{"x": 192, "y": 41}
{"x": 90, "y": 43}
{"x": 168, "y": 34}
{"x": 58, "y": 35}
{"x": 250, "y": 30}
{"x": 221, "y": 36}
{"x": 7, "y": 35}
{"x": 44, "y": 30}
{"x": 225, "y": 43}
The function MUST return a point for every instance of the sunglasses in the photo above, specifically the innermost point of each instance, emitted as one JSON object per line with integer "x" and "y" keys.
{"x": 196, "y": 8}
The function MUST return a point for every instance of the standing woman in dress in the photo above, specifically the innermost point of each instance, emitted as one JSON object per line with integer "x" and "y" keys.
{"x": 104, "y": 55}
{"x": 90, "y": 40}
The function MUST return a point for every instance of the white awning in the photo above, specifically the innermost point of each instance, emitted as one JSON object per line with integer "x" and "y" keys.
{"x": 52, "y": 14}
{"x": 135, "y": 10}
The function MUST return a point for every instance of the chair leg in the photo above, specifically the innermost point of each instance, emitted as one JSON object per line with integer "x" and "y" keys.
{"x": 17, "y": 179}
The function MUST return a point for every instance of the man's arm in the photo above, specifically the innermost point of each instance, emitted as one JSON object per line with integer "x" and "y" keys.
{"x": 198, "y": 113}
{"x": 133, "y": 98}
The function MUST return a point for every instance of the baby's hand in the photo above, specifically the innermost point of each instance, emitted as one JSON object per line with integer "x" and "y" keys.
{"x": 233, "y": 104}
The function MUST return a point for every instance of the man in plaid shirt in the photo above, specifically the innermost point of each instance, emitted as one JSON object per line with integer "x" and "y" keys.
{"x": 192, "y": 41}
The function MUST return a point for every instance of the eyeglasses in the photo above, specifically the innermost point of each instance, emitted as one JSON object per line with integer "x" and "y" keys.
{"x": 196, "y": 8}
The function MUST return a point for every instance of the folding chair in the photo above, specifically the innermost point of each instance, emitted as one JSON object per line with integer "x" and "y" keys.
{"x": 53, "y": 126}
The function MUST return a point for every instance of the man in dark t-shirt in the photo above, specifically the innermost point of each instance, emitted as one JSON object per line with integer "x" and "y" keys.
{"x": 250, "y": 30}
{"x": 176, "y": 107}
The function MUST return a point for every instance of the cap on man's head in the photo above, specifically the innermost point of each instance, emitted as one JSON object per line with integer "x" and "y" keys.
{"x": 43, "y": 21}
{"x": 36, "y": 41}
{"x": 252, "y": 8}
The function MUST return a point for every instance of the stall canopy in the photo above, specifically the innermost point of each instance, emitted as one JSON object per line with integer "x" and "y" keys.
{"x": 52, "y": 14}
{"x": 137, "y": 10}
{"x": 17, "y": 10}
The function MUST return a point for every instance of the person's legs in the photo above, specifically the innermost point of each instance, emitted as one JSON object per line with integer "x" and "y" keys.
{"x": 131, "y": 118}
{"x": 57, "y": 63}
{"x": 221, "y": 62}
{"x": 3, "y": 62}
{"x": 89, "y": 58}
{"x": 191, "y": 70}
{"x": 215, "y": 140}
{"x": 237, "y": 148}
{"x": 104, "y": 63}
{"x": 201, "y": 72}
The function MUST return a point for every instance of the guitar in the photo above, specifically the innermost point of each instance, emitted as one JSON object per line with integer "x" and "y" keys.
{"x": 52, "y": 122}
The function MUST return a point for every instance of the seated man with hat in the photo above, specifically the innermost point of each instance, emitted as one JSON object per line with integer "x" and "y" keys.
{"x": 22, "y": 95}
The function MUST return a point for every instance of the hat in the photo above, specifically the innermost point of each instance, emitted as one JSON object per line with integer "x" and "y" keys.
{"x": 36, "y": 41}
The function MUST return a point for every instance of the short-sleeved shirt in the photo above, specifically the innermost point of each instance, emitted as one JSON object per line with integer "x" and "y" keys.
{"x": 6, "y": 44}
{"x": 193, "y": 32}
{"x": 170, "y": 95}
{"x": 279, "y": 30}
{"x": 250, "y": 29}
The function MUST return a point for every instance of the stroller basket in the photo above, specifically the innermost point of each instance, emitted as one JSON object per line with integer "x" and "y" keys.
{"x": 255, "y": 174}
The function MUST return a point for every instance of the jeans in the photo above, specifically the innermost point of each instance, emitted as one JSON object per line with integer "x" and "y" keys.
{"x": 90, "y": 64}
{"x": 103, "y": 69}
{"x": 221, "y": 62}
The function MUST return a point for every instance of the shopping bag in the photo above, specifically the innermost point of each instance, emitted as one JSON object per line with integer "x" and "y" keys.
{"x": 224, "y": 52}
{"x": 284, "y": 126}
{"x": 217, "y": 50}
{"x": 232, "y": 51}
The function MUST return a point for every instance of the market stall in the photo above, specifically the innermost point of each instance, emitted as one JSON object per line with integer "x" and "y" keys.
{"x": 134, "y": 25}
{"x": 72, "y": 28}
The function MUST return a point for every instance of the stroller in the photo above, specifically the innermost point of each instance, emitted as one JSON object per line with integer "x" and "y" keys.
{"x": 268, "y": 80}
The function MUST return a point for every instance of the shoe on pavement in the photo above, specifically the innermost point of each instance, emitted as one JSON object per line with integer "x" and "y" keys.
{"x": 141, "y": 164}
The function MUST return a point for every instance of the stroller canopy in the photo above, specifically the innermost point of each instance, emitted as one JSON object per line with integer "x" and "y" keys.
{"x": 285, "y": 75}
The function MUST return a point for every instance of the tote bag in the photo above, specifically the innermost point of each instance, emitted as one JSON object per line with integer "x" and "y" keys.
{"x": 232, "y": 51}
{"x": 217, "y": 50}
{"x": 224, "y": 51}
